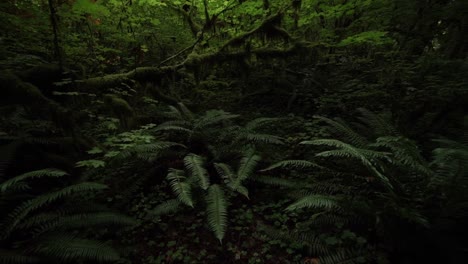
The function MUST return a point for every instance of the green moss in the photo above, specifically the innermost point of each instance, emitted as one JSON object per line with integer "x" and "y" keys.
{"x": 120, "y": 108}
{"x": 15, "y": 91}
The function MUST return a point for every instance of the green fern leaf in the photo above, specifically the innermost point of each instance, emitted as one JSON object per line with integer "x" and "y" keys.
{"x": 344, "y": 257}
{"x": 167, "y": 207}
{"x": 15, "y": 257}
{"x": 174, "y": 113}
{"x": 240, "y": 189}
{"x": 344, "y": 131}
{"x": 182, "y": 189}
{"x": 32, "y": 175}
{"x": 294, "y": 164}
{"x": 217, "y": 211}
{"x": 178, "y": 123}
{"x": 404, "y": 152}
{"x": 314, "y": 201}
{"x": 349, "y": 151}
{"x": 68, "y": 248}
{"x": 278, "y": 182}
{"x": 24, "y": 209}
{"x": 148, "y": 151}
{"x": 257, "y": 122}
{"x": 213, "y": 117}
{"x": 195, "y": 165}
{"x": 380, "y": 126}
{"x": 314, "y": 244}
{"x": 225, "y": 171}
{"x": 262, "y": 138}
{"x": 174, "y": 128}
{"x": 247, "y": 166}
{"x": 185, "y": 112}
{"x": 92, "y": 219}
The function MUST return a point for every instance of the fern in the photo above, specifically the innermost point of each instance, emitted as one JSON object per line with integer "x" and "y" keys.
{"x": 258, "y": 122}
{"x": 174, "y": 128}
{"x": 167, "y": 207}
{"x": 246, "y": 166}
{"x": 450, "y": 161}
{"x": 217, "y": 211}
{"x": 213, "y": 117}
{"x": 344, "y": 131}
{"x": 367, "y": 157}
{"x": 248, "y": 133}
{"x": 148, "y": 151}
{"x": 27, "y": 207}
{"x": 178, "y": 114}
{"x": 31, "y": 175}
{"x": 377, "y": 124}
{"x": 16, "y": 257}
{"x": 179, "y": 187}
{"x": 88, "y": 220}
{"x": 314, "y": 244}
{"x": 344, "y": 257}
{"x": 404, "y": 153}
{"x": 225, "y": 171}
{"x": 314, "y": 201}
{"x": 293, "y": 164}
{"x": 281, "y": 182}
{"x": 261, "y": 138}
{"x": 195, "y": 165}
{"x": 185, "y": 111}
{"x": 69, "y": 248}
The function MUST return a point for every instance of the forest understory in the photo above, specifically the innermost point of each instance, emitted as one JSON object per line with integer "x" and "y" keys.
{"x": 237, "y": 131}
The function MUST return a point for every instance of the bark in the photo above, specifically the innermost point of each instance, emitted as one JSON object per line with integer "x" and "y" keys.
{"x": 53, "y": 20}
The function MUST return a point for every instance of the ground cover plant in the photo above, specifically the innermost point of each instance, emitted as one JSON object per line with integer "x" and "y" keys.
{"x": 237, "y": 131}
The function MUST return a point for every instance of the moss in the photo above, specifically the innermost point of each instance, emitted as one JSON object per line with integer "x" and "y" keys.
{"x": 15, "y": 91}
{"x": 43, "y": 77}
{"x": 213, "y": 85}
{"x": 120, "y": 108}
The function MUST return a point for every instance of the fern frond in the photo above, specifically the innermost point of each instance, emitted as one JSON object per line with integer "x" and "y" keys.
{"x": 178, "y": 123}
{"x": 148, "y": 151}
{"x": 185, "y": 112}
{"x": 195, "y": 165}
{"x": 174, "y": 128}
{"x": 343, "y": 130}
{"x": 450, "y": 161}
{"x": 24, "y": 209}
{"x": 217, "y": 211}
{"x": 39, "y": 220}
{"x": 380, "y": 126}
{"x": 300, "y": 164}
{"x": 32, "y": 175}
{"x": 91, "y": 219}
{"x": 343, "y": 257}
{"x": 68, "y": 248}
{"x": 240, "y": 189}
{"x": 174, "y": 113}
{"x": 258, "y": 122}
{"x": 247, "y": 166}
{"x": 313, "y": 243}
{"x": 225, "y": 171}
{"x": 404, "y": 152}
{"x": 213, "y": 117}
{"x": 167, "y": 207}
{"x": 157, "y": 146}
{"x": 315, "y": 201}
{"x": 281, "y": 182}
{"x": 15, "y": 257}
{"x": 182, "y": 189}
{"x": 365, "y": 156}
{"x": 261, "y": 138}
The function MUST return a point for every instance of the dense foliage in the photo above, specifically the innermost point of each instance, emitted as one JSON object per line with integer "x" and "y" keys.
{"x": 236, "y": 131}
